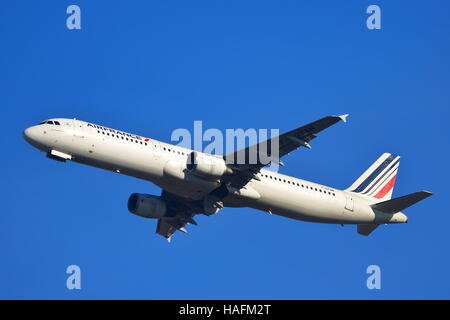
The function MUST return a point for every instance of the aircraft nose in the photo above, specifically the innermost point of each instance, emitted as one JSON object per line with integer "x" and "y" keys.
{"x": 30, "y": 135}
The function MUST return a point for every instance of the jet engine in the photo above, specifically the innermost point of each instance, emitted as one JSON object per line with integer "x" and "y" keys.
{"x": 206, "y": 166}
{"x": 147, "y": 206}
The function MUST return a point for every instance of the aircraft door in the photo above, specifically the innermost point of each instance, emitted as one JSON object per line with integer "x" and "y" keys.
{"x": 156, "y": 150}
{"x": 349, "y": 203}
{"x": 78, "y": 129}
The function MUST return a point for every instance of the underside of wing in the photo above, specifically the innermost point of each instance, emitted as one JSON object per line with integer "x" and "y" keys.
{"x": 181, "y": 212}
{"x": 249, "y": 161}
{"x": 167, "y": 227}
{"x": 301, "y": 137}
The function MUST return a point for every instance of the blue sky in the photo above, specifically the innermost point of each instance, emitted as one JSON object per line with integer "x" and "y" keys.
{"x": 150, "y": 67}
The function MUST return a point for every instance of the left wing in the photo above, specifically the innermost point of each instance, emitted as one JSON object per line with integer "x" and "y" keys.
{"x": 247, "y": 162}
{"x": 167, "y": 227}
{"x": 181, "y": 212}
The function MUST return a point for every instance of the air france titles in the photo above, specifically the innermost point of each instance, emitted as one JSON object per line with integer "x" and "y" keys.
{"x": 129, "y": 135}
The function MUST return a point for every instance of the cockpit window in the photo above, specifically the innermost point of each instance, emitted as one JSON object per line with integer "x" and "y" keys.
{"x": 50, "y": 122}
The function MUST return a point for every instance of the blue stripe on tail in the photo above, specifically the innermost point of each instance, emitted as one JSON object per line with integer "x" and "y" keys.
{"x": 375, "y": 173}
{"x": 384, "y": 174}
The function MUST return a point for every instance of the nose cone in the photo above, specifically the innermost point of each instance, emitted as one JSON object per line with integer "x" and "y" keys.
{"x": 29, "y": 134}
{"x": 32, "y": 136}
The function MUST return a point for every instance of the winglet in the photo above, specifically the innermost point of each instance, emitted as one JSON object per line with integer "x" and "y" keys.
{"x": 344, "y": 117}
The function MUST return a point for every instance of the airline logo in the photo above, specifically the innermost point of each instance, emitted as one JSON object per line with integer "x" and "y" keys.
{"x": 117, "y": 132}
{"x": 381, "y": 179}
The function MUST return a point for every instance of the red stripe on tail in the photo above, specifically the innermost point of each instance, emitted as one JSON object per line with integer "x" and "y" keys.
{"x": 388, "y": 187}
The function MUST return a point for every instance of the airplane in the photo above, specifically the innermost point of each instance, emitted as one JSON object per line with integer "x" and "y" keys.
{"x": 194, "y": 182}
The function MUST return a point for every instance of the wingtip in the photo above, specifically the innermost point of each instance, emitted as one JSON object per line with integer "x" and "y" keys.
{"x": 343, "y": 117}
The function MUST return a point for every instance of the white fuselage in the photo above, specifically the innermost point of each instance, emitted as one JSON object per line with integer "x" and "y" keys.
{"x": 165, "y": 165}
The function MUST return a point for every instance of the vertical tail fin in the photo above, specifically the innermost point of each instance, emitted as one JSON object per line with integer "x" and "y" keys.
{"x": 378, "y": 181}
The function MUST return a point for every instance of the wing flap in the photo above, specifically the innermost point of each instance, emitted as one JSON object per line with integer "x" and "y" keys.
{"x": 165, "y": 229}
{"x": 181, "y": 212}
{"x": 301, "y": 137}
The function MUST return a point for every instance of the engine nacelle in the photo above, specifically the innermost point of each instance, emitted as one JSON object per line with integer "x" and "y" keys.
{"x": 206, "y": 166}
{"x": 147, "y": 206}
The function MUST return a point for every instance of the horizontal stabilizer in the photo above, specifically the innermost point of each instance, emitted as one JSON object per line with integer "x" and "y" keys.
{"x": 401, "y": 203}
{"x": 366, "y": 229}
